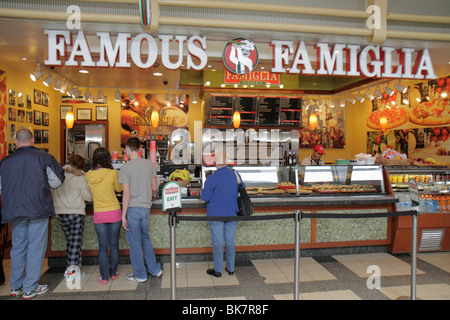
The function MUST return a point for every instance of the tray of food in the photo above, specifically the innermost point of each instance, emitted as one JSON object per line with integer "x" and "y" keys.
{"x": 286, "y": 185}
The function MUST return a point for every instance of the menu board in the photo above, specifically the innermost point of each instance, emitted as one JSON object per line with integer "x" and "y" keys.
{"x": 221, "y": 111}
{"x": 291, "y": 111}
{"x": 247, "y": 107}
{"x": 269, "y": 110}
{"x": 256, "y": 110}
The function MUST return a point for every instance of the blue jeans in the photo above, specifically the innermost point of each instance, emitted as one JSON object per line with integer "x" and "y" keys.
{"x": 29, "y": 243}
{"x": 141, "y": 249}
{"x": 221, "y": 230}
{"x": 108, "y": 236}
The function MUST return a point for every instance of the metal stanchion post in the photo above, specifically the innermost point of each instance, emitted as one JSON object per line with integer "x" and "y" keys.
{"x": 172, "y": 224}
{"x": 297, "y": 217}
{"x": 413, "y": 256}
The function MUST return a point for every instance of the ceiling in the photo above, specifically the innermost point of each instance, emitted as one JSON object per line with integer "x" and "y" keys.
{"x": 26, "y": 39}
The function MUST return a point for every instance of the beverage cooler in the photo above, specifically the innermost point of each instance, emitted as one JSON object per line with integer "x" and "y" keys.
{"x": 434, "y": 208}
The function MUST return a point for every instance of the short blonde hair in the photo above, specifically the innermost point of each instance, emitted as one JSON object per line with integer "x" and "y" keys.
{"x": 220, "y": 157}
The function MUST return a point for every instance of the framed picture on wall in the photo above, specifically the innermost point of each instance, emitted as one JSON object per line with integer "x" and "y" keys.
{"x": 29, "y": 117}
{"x": 84, "y": 114}
{"x": 102, "y": 113}
{"x": 45, "y": 99}
{"x": 64, "y": 110}
{"x": 28, "y": 101}
{"x": 37, "y": 117}
{"x": 45, "y": 135}
{"x": 37, "y": 96}
{"x": 45, "y": 119}
{"x": 37, "y": 136}
{"x": 12, "y": 97}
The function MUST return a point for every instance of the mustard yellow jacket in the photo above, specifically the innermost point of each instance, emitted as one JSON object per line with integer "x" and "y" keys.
{"x": 104, "y": 183}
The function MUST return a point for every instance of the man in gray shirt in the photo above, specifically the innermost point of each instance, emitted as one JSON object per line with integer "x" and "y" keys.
{"x": 138, "y": 178}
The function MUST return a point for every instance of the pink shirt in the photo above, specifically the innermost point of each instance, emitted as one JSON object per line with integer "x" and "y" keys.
{"x": 108, "y": 216}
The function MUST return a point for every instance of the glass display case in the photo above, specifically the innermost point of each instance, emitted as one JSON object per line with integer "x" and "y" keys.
{"x": 433, "y": 185}
{"x": 290, "y": 181}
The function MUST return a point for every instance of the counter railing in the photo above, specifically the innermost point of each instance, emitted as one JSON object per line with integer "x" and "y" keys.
{"x": 297, "y": 215}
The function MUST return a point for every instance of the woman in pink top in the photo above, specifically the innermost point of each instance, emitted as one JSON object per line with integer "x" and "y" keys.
{"x": 103, "y": 181}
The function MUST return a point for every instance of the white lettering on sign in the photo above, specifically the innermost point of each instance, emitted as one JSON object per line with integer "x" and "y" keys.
{"x": 370, "y": 61}
{"x": 341, "y": 59}
{"x": 117, "y": 55}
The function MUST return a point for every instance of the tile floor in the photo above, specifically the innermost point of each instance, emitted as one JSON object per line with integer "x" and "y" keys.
{"x": 338, "y": 277}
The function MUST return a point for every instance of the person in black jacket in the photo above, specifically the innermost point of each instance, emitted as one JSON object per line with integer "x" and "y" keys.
{"x": 26, "y": 177}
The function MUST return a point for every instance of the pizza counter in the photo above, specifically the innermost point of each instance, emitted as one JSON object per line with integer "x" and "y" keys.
{"x": 264, "y": 237}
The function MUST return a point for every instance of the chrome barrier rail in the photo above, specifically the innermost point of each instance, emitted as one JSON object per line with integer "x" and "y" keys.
{"x": 297, "y": 215}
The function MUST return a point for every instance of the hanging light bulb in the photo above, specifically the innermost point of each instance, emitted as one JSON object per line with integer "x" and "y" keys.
{"x": 369, "y": 95}
{"x": 183, "y": 98}
{"x": 37, "y": 74}
{"x": 131, "y": 95}
{"x": 70, "y": 119}
{"x": 383, "y": 122}
{"x": 312, "y": 121}
{"x": 378, "y": 93}
{"x": 388, "y": 90}
{"x": 400, "y": 88}
{"x": 154, "y": 119}
{"x": 236, "y": 119}
{"x": 48, "y": 81}
{"x": 359, "y": 97}
{"x": 100, "y": 94}
{"x": 87, "y": 94}
{"x": 194, "y": 98}
{"x": 117, "y": 95}
{"x": 64, "y": 87}
{"x": 57, "y": 85}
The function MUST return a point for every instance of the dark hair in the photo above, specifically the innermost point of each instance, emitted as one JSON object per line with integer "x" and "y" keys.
{"x": 134, "y": 144}
{"x": 101, "y": 158}
{"x": 77, "y": 162}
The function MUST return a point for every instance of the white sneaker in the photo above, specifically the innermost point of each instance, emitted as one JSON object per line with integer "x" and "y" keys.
{"x": 40, "y": 289}
{"x": 130, "y": 276}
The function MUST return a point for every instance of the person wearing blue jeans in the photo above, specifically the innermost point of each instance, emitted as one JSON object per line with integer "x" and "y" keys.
{"x": 28, "y": 249}
{"x": 138, "y": 238}
{"x": 26, "y": 179}
{"x": 220, "y": 193}
{"x": 138, "y": 178}
{"x": 108, "y": 238}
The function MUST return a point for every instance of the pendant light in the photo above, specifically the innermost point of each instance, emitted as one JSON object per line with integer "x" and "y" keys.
{"x": 154, "y": 119}
{"x": 236, "y": 119}
{"x": 312, "y": 121}
{"x": 383, "y": 122}
{"x": 69, "y": 119}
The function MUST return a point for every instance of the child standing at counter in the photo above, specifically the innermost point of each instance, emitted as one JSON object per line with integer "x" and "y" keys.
{"x": 103, "y": 181}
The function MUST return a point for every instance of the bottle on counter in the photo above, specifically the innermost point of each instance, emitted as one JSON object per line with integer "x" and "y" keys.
{"x": 294, "y": 158}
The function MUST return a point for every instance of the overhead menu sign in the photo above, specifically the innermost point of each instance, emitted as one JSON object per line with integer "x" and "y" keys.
{"x": 256, "y": 110}
{"x": 248, "y": 108}
{"x": 269, "y": 110}
{"x": 221, "y": 109}
{"x": 291, "y": 111}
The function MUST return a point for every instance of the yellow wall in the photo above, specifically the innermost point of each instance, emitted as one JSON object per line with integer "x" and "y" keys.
{"x": 20, "y": 82}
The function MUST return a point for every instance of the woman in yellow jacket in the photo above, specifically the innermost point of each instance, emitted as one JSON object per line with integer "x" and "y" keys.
{"x": 103, "y": 181}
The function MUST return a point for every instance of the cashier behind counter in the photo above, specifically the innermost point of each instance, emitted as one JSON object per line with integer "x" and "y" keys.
{"x": 315, "y": 158}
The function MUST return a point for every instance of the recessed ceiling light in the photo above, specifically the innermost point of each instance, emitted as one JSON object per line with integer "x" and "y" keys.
{"x": 83, "y": 71}
{"x": 157, "y": 74}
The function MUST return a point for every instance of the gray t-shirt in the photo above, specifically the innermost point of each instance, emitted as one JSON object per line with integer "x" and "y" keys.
{"x": 138, "y": 173}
